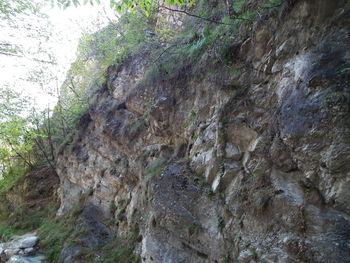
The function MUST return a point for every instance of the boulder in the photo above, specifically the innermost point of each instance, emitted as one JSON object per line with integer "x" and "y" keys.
{"x": 22, "y": 259}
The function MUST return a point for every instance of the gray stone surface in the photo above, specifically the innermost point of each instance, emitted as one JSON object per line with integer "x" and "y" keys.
{"x": 20, "y": 249}
{"x": 27, "y": 242}
{"x": 21, "y": 259}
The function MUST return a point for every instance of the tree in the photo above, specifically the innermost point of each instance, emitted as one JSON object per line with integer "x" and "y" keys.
{"x": 26, "y": 136}
{"x": 14, "y": 141}
{"x": 126, "y": 5}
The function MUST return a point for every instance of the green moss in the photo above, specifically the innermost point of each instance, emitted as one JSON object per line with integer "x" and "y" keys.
{"x": 114, "y": 251}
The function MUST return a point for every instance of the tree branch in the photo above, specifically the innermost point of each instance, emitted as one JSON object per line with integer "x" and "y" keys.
{"x": 45, "y": 155}
{"x": 33, "y": 59}
{"x": 203, "y": 18}
{"x": 20, "y": 155}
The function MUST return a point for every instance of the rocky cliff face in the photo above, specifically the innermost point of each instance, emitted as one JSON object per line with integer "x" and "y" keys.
{"x": 245, "y": 166}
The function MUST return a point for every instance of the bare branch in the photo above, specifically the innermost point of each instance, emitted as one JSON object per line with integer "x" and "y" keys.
{"x": 33, "y": 59}
{"x": 203, "y": 18}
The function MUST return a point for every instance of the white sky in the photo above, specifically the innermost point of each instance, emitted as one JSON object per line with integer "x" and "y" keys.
{"x": 66, "y": 27}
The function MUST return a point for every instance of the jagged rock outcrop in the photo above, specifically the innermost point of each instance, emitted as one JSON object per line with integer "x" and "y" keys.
{"x": 248, "y": 167}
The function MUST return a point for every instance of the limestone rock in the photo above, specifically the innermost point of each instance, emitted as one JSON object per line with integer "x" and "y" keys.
{"x": 19, "y": 248}
{"x": 20, "y": 259}
{"x": 27, "y": 242}
{"x": 200, "y": 173}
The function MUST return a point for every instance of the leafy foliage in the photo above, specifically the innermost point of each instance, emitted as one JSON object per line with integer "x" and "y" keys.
{"x": 26, "y": 138}
{"x": 109, "y": 46}
{"x": 192, "y": 47}
{"x": 15, "y": 137}
{"x": 10, "y": 8}
{"x": 122, "y": 6}
{"x": 12, "y": 175}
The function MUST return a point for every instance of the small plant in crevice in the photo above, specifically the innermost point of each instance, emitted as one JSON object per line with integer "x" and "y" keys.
{"x": 112, "y": 207}
{"x": 278, "y": 192}
{"x": 222, "y": 168}
{"x": 253, "y": 253}
{"x": 121, "y": 214}
{"x": 209, "y": 192}
{"x": 193, "y": 113}
{"x": 221, "y": 223}
{"x": 150, "y": 153}
{"x": 202, "y": 185}
{"x": 339, "y": 100}
{"x": 193, "y": 228}
{"x": 154, "y": 169}
{"x": 192, "y": 119}
{"x": 227, "y": 259}
{"x": 194, "y": 137}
